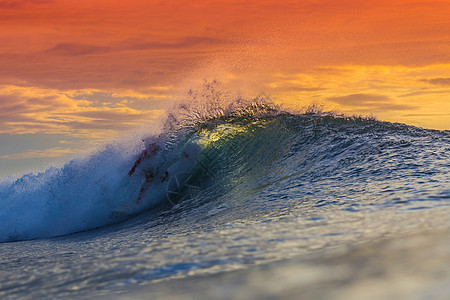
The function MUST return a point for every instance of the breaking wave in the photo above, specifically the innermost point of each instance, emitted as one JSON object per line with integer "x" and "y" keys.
{"x": 247, "y": 151}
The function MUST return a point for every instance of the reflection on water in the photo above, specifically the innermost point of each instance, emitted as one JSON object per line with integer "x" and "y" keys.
{"x": 118, "y": 259}
{"x": 414, "y": 266}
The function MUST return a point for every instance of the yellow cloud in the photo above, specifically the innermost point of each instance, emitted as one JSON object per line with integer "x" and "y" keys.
{"x": 32, "y": 109}
{"x": 413, "y": 95}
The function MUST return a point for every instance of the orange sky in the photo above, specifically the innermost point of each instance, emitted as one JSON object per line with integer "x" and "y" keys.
{"x": 91, "y": 68}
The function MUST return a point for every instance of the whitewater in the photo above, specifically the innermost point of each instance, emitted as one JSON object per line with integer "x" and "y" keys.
{"x": 242, "y": 201}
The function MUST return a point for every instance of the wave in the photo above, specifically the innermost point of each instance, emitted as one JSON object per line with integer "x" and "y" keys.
{"x": 250, "y": 150}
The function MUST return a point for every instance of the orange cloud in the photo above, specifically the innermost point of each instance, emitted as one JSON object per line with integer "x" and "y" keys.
{"x": 108, "y": 44}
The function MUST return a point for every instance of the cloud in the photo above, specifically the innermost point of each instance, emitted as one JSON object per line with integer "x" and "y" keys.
{"x": 78, "y": 49}
{"x": 427, "y": 115}
{"x": 14, "y": 4}
{"x": 420, "y": 93}
{"x": 18, "y": 143}
{"x": 294, "y": 88}
{"x": 33, "y": 110}
{"x": 184, "y": 42}
{"x": 73, "y": 49}
{"x": 46, "y": 153}
{"x": 160, "y": 45}
{"x": 373, "y": 102}
{"x": 360, "y": 99}
{"x": 438, "y": 81}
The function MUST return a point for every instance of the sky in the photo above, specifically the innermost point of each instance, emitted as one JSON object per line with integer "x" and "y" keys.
{"x": 77, "y": 73}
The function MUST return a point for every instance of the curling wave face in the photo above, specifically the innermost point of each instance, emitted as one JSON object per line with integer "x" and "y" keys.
{"x": 254, "y": 157}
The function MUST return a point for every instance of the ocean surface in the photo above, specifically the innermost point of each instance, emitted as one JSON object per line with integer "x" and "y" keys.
{"x": 252, "y": 202}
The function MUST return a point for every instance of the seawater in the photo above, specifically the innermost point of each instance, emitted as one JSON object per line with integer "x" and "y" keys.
{"x": 276, "y": 204}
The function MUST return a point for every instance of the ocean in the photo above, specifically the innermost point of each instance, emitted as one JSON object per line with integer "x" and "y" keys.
{"x": 245, "y": 202}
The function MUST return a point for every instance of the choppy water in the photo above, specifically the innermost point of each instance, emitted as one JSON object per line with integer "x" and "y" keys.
{"x": 268, "y": 189}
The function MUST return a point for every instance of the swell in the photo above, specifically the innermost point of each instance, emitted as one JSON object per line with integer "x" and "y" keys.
{"x": 254, "y": 154}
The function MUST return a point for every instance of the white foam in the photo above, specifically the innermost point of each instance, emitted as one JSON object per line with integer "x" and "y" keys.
{"x": 84, "y": 194}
